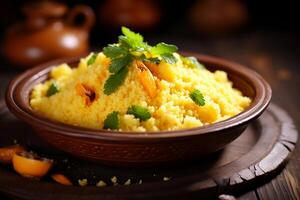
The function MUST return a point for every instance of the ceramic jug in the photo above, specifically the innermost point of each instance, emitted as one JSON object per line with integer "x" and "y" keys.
{"x": 48, "y": 33}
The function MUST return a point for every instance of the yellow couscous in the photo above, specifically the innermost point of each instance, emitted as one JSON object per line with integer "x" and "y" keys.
{"x": 163, "y": 90}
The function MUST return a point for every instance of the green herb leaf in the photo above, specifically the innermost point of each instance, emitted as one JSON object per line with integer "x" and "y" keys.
{"x": 139, "y": 112}
{"x": 118, "y": 63}
{"x": 53, "y": 89}
{"x": 169, "y": 58}
{"x": 114, "y": 81}
{"x": 124, "y": 43}
{"x": 192, "y": 62}
{"x": 132, "y": 38}
{"x": 92, "y": 59}
{"x": 113, "y": 51}
{"x": 112, "y": 121}
{"x": 153, "y": 60}
{"x": 197, "y": 97}
{"x": 132, "y": 46}
{"x": 163, "y": 48}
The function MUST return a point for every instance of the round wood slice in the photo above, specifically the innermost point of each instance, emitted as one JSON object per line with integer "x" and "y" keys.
{"x": 259, "y": 152}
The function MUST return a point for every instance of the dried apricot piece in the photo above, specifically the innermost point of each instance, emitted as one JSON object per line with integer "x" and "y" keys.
{"x": 146, "y": 79}
{"x": 88, "y": 93}
{"x": 30, "y": 165}
{"x": 62, "y": 179}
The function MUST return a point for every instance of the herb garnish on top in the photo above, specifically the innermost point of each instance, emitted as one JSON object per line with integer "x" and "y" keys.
{"x": 131, "y": 46}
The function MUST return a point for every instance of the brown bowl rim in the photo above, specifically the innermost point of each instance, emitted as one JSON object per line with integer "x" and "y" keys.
{"x": 259, "y": 103}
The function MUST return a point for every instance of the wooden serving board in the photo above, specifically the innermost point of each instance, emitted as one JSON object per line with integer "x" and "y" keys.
{"x": 255, "y": 156}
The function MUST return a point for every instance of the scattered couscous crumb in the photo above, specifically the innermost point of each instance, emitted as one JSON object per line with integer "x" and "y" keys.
{"x": 83, "y": 182}
{"x": 128, "y": 182}
{"x": 101, "y": 184}
{"x": 166, "y": 178}
{"x": 114, "y": 180}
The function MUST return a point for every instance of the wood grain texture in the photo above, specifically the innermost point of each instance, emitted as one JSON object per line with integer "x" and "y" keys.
{"x": 249, "y": 196}
{"x": 284, "y": 187}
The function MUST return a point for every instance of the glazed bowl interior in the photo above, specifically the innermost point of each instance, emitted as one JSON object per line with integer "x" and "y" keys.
{"x": 124, "y": 148}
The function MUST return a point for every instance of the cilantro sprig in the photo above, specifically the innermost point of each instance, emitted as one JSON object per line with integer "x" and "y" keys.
{"x": 131, "y": 46}
{"x": 197, "y": 97}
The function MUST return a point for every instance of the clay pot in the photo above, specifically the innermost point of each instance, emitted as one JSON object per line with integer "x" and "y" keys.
{"x": 46, "y": 34}
{"x": 139, "y": 15}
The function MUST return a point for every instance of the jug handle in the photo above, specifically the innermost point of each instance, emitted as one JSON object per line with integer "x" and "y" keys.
{"x": 88, "y": 14}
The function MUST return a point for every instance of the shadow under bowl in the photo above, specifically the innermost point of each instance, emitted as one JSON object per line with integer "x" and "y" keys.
{"x": 141, "y": 148}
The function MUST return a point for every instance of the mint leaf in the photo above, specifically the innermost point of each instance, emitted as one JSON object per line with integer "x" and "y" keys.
{"x": 114, "y": 81}
{"x": 163, "y": 48}
{"x": 192, "y": 62}
{"x": 118, "y": 63}
{"x": 112, "y": 121}
{"x": 132, "y": 44}
{"x": 139, "y": 112}
{"x": 92, "y": 59}
{"x": 52, "y": 90}
{"x": 132, "y": 37}
{"x": 113, "y": 51}
{"x": 132, "y": 41}
{"x": 124, "y": 43}
{"x": 197, "y": 97}
{"x": 169, "y": 58}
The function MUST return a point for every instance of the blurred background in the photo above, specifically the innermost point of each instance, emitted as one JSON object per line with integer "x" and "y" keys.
{"x": 263, "y": 35}
{"x": 30, "y": 28}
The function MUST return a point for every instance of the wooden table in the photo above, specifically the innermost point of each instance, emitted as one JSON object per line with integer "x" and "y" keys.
{"x": 275, "y": 55}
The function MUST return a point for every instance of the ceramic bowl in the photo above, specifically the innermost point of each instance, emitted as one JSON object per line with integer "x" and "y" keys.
{"x": 136, "y": 148}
